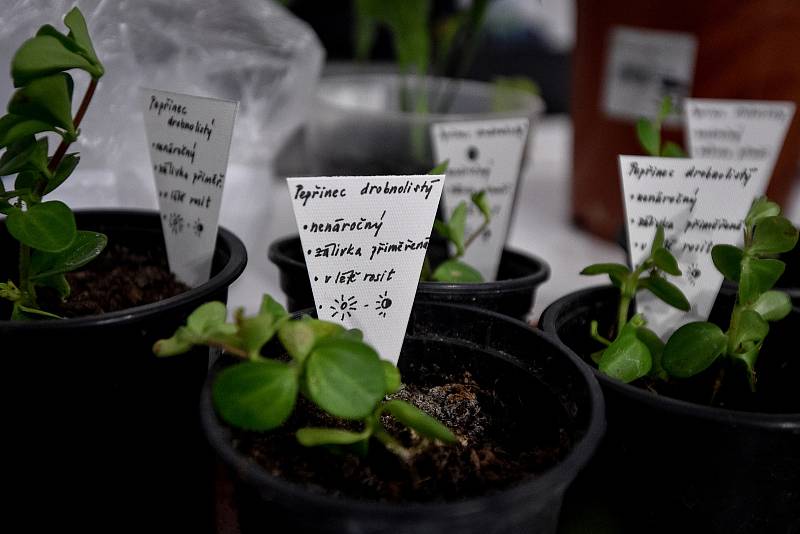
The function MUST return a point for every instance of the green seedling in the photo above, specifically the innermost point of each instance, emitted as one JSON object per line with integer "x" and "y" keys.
{"x": 329, "y": 365}
{"x": 49, "y": 242}
{"x": 634, "y": 350}
{"x": 694, "y": 347}
{"x": 649, "y": 134}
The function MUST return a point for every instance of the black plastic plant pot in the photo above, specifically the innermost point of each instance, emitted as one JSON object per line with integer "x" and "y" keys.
{"x": 676, "y": 466}
{"x": 99, "y": 426}
{"x": 512, "y": 294}
{"x": 525, "y": 368}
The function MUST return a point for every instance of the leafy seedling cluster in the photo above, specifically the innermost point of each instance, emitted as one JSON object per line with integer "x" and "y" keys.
{"x": 694, "y": 347}
{"x": 49, "y": 242}
{"x": 649, "y": 134}
{"x": 635, "y": 351}
{"x": 329, "y": 365}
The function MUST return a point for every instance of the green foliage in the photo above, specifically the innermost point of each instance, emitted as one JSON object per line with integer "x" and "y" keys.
{"x": 695, "y": 346}
{"x": 50, "y": 243}
{"x": 454, "y": 270}
{"x": 329, "y": 365}
{"x": 649, "y": 134}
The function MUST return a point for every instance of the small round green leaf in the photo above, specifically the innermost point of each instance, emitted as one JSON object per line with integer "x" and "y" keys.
{"x": 300, "y": 337}
{"x": 424, "y": 424}
{"x": 43, "y": 55}
{"x": 24, "y": 154}
{"x": 761, "y": 209}
{"x": 758, "y": 275}
{"x": 482, "y": 203}
{"x": 85, "y": 247}
{"x": 256, "y": 395}
{"x": 728, "y": 261}
{"x": 345, "y": 377}
{"x": 313, "y": 436}
{"x": 751, "y": 331}
{"x": 15, "y": 127}
{"x": 457, "y": 272}
{"x": 49, "y": 226}
{"x": 692, "y": 349}
{"x": 649, "y": 137}
{"x": 626, "y": 359}
{"x": 207, "y": 317}
{"x": 47, "y": 99}
{"x": 773, "y": 305}
{"x": 391, "y": 376}
{"x": 80, "y": 34}
{"x": 773, "y": 235}
{"x": 666, "y": 291}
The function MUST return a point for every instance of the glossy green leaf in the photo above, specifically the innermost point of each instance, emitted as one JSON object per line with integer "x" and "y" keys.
{"x": 44, "y": 55}
{"x": 49, "y": 226}
{"x": 656, "y": 348}
{"x": 256, "y": 395}
{"x": 456, "y": 271}
{"x": 773, "y": 305}
{"x": 612, "y": 269}
{"x": 15, "y": 127}
{"x": 751, "y": 331}
{"x": 758, "y": 275}
{"x": 421, "y": 422}
{"x": 178, "y": 343}
{"x": 25, "y": 181}
{"x": 64, "y": 170}
{"x": 649, "y": 137}
{"x": 665, "y": 261}
{"x": 761, "y": 209}
{"x": 80, "y": 34}
{"x": 627, "y": 358}
{"x": 47, "y": 99}
{"x": 206, "y": 318}
{"x": 658, "y": 239}
{"x": 666, "y": 291}
{"x": 272, "y": 307}
{"x": 456, "y": 227}
{"x": 25, "y": 154}
{"x": 728, "y": 261}
{"x": 482, "y": 202}
{"x": 441, "y": 168}
{"x": 85, "y": 247}
{"x": 300, "y": 337}
{"x": 391, "y": 377}
{"x": 692, "y": 349}
{"x": 313, "y": 436}
{"x": 345, "y": 377}
{"x": 21, "y": 312}
{"x": 672, "y": 150}
{"x": 57, "y": 282}
{"x": 773, "y": 235}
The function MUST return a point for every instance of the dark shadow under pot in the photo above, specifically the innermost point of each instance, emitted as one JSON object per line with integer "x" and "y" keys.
{"x": 669, "y": 465}
{"x": 512, "y": 294}
{"x": 540, "y": 398}
{"x": 99, "y": 430}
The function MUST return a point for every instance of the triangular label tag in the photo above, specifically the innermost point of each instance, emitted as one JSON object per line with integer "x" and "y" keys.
{"x": 189, "y": 138}
{"x": 700, "y": 203}
{"x": 483, "y": 156}
{"x": 364, "y": 240}
{"x": 749, "y": 130}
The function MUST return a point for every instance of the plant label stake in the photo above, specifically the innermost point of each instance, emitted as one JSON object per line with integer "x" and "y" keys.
{"x": 189, "y": 139}
{"x": 364, "y": 239}
{"x": 699, "y": 203}
{"x": 482, "y": 156}
{"x": 737, "y": 129}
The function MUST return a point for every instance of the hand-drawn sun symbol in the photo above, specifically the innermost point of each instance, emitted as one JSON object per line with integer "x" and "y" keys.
{"x": 693, "y": 273}
{"x": 344, "y": 307}
{"x": 383, "y": 303}
{"x": 175, "y": 223}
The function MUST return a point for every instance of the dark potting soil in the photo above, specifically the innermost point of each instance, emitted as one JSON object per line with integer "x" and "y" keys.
{"x": 484, "y": 461}
{"x": 118, "y": 279}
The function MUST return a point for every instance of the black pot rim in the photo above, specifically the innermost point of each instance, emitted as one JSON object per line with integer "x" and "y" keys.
{"x": 758, "y": 420}
{"x": 230, "y": 272}
{"x": 540, "y": 273}
{"x": 576, "y": 459}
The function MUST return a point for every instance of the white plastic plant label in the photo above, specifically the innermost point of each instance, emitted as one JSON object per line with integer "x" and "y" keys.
{"x": 483, "y": 156}
{"x": 700, "y": 203}
{"x": 737, "y": 129}
{"x": 642, "y": 67}
{"x": 189, "y": 139}
{"x": 364, "y": 239}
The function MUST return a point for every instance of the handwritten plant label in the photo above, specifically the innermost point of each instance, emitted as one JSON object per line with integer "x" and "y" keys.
{"x": 189, "y": 139}
{"x": 364, "y": 240}
{"x": 700, "y": 203}
{"x": 737, "y": 129}
{"x": 483, "y": 156}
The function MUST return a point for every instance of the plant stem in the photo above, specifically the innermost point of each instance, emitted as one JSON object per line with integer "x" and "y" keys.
{"x": 62, "y": 148}
{"x": 475, "y": 234}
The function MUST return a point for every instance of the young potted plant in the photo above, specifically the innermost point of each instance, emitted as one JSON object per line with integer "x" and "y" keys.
{"x": 444, "y": 277}
{"x": 484, "y": 432}
{"x": 690, "y": 427}
{"x": 91, "y": 408}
